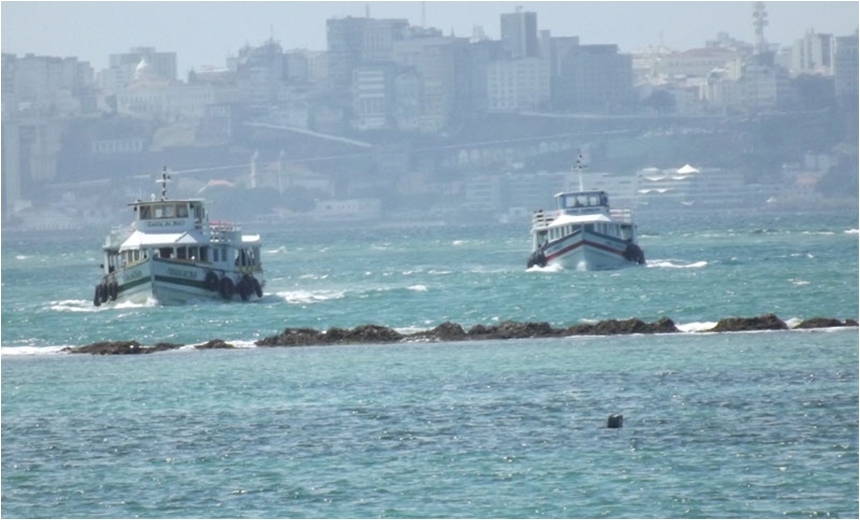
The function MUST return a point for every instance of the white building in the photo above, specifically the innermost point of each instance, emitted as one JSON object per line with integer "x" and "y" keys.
{"x": 672, "y": 189}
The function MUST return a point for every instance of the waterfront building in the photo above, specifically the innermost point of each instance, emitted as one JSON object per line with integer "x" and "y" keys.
{"x": 518, "y": 84}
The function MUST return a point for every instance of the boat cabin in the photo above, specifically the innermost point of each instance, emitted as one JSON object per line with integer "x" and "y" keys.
{"x": 582, "y": 202}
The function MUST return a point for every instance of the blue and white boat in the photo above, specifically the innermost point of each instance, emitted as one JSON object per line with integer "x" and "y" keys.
{"x": 172, "y": 253}
{"x": 584, "y": 234}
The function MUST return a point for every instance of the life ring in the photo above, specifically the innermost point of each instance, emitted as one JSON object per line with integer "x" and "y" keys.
{"x": 97, "y": 297}
{"x": 226, "y": 288}
{"x": 258, "y": 289}
{"x": 113, "y": 290}
{"x": 211, "y": 281}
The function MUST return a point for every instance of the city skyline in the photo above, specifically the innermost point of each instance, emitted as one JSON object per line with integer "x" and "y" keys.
{"x": 206, "y": 33}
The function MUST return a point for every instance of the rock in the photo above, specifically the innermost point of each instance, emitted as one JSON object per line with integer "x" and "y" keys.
{"x": 214, "y": 344}
{"x": 162, "y": 346}
{"x": 850, "y": 323}
{"x": 615, "y": 327}
{"x": 514, "y": 330}
{"x": 106, "y": 348}
{"x": 372, "y": 334}
{"x": 764, "y": 322}
{"x": 447, "y": 331}
{"x": 293, "y": 338}
{"x": 819, "y": 323}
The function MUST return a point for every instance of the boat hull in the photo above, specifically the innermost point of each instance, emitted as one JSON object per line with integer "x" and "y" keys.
{"x": 172, "y": 282}
{"x": 590, "y": 251}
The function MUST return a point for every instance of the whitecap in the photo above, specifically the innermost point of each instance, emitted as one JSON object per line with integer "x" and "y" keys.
{"x": 21, "y": 257}
{"x": 851, "y": 231}
{"x": 458, "y": 242}
{"x": 310, "y": 296}
{"x": 798, "y": 282}
{"x": 672, "y": 265}
{"x": 418, "y": 288}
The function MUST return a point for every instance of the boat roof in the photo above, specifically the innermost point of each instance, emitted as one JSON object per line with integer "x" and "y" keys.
{"x": 164, "y": 201}
{"x": 140, "y": 239}
{"x": 587, "y": 218}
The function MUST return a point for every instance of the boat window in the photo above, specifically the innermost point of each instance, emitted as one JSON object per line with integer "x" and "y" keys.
{"x": 182, "y": 210}
{"x": 204, "y": 253}
{"x": 182, "y": 252}
{"x": 145, "y": 212}
{"x": 165, "y": 252}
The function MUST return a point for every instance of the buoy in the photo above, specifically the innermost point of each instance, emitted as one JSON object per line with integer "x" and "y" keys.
{"x": 615, "y": 420}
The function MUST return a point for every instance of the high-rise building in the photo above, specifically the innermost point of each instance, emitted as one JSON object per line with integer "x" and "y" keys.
{"x": 845, "y": 70}
{"x": 812, "y": 54}
{"x": 595, "y": 78}
{"x": 520, "y": 34}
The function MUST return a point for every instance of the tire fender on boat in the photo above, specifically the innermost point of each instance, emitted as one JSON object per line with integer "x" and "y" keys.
{"x": 258, "y": 289}
{"x": 245, "y": 287}
{"x": 226, "y": 288}
{"x": 103, "y": 292}
{"x": 97, "y": 297}
{"x": 211, "y": 281}
{"x": 113, "y": 290}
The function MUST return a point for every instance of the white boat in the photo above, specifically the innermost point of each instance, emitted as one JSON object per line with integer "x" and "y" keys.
{"x": 173, "y": 254}
{"x": 584, "y": 234}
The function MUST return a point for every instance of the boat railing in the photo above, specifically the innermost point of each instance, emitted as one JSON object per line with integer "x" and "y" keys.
{"x": 621, "y": 214}
{"x": 541, "y": 218}
{"x": 219, "y": 231}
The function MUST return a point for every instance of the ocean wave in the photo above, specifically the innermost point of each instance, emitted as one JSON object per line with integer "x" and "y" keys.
{"x": 313, "y": 277}
{"x": 31, "y": 351}
{"x": 851, "y": 231}
{"x": 305, "y": 297}
{"x": 418, "y": 288}
{"x": 696, "y": 326}
{"x": 72, "y": 306}
{"x": 459, "y": 242}
{"x": 672, "y": 265}
{"x": 798, "y": 282}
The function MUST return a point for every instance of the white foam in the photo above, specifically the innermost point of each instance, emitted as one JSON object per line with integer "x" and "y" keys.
{"x": 310, "y": 296}
{"x": 851, "y": 231}
{"x": 30, "y": 351}
{"x": 696, "y": 326}
{"x": 798, "y": 282}
{"x": 668, "y": 264}
{"x": 418, "y": 288}
{"x": 551, "y": 268}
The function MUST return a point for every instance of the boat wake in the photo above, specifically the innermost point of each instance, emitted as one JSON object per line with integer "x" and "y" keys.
{"x": 551, "y": 268}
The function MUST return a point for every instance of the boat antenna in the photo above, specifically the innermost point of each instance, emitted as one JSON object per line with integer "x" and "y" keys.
{"x": 163, "y": 181}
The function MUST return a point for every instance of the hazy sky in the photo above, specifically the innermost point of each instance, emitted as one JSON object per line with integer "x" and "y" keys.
{"x": 206, "y": 32}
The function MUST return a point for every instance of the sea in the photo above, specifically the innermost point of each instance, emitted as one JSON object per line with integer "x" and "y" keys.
{"x": 715, "y": 425}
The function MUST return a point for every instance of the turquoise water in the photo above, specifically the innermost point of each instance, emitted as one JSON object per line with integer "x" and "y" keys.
{"x": 715, "y": 425}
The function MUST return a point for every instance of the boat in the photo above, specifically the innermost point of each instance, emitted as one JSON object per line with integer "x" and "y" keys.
{"x": 583, "y": 233}
{"x": 172, "y": 253}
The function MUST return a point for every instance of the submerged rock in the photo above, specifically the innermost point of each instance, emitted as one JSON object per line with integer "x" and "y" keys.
{"x": 616, "y": 327}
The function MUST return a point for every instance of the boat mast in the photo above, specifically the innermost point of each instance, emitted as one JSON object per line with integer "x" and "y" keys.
{"x": 580, "y": 165}
{"x": 164, "y": 179}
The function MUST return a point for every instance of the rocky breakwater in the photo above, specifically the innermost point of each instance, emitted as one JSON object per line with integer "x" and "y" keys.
{"x": 448, "y": 331}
